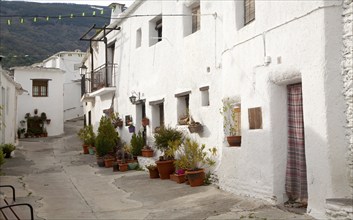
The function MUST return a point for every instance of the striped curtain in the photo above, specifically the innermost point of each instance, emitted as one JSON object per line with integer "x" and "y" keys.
{"x": 296, "y": 180}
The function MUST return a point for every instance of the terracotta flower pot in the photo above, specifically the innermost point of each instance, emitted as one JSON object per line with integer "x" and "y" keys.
{"x": 196, "y": 178}
{"x": 108, "y": 162}
{"x": 85, "y": 149}
{"x": 100, "y": 161}
{"x": 147, "y": 152}
{"x": 123, "y": 167}
{"x": 153, "y": 173}
{"x": 179, "y": 178}
{"x": 165, "y": 168}
{"x": 234, "y": 141}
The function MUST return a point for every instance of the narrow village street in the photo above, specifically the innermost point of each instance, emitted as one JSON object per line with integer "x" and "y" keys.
{"x": 62, "y": 183}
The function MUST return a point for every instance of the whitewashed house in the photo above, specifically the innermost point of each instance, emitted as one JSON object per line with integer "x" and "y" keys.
{"x": 45, "y": 88}
{"x": 9, "y": 91}
{"x": 278, "y": 61}
{"x": 69, "y": 61}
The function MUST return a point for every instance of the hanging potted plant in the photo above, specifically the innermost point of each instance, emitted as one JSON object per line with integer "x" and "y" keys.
{"x": 145, "y": 121}
{"x": 193, "y": 158}
{"x": 163, "y": 138}
{"x": 116, "y": 120}
{"x": 195, "y": 127}
{"x": 232, "y": 123}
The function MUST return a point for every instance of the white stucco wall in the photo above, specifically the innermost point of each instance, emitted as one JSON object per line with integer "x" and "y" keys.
{"x": 8, "y": 101}
{"x": 302, "y": 42}
{"x": 67, "y": 61}
{"x": 51, "y": 105}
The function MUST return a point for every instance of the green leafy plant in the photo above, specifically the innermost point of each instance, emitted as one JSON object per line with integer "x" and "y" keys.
{"x": 230, "y": 116}
{"x": 151, "y": 167}
{"x": 165, "y": 136}
{"x": 43, "y": 116}
{"x": 191, "y": 155}
{"x": 7, "y": 149}
{"x": 107, "y": 138}
{"x": 137, "y": 143}
{"x": 87, "y": 135}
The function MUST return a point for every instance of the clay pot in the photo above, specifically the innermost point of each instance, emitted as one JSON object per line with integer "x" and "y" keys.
{"x": 179, "y": 178}
{"x": 234, "y": 141}
{"x": 165, "y": 168}
{"x": 123, "y": 167}
{"x": 85, "y": 149}
{"x": 153, "y": 173}
{"x": 196, "y": 178}
{"x": 147, "y": 152}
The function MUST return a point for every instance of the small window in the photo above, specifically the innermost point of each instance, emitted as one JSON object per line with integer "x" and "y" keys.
{"x": 183, "y": 102}
{"x": 40, "y": 88}
{"x": 156, "y": 30}
{"x": 138, "y": 38}
{"x": 255, "y": 118}
{"x": 205, "y": 97}
{"x": 249, "y": 11}
{"x": 196, "y": 18}
{"x": 159, "y": 30}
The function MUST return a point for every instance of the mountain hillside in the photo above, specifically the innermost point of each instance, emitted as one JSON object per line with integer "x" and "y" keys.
{"x": 30, "y": 42}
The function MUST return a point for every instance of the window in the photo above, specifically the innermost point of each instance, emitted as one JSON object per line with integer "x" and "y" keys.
{"x": 40, "y": 88}
{"x": 159, "y": 30}
{"x": 255, "y": 118}
{"x": 249, "y": 11}
{"x": 156, "y": 30}
{"x": 196, "y": 17}
{"x": 183, "y": 102}
{"x": 205, "y": 97}
{"x": 138, "y": 38}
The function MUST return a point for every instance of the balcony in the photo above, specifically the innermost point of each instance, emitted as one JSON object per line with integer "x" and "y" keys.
{"x": 99, "y": 81}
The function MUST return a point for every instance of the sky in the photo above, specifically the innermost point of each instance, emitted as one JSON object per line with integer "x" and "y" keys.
{"x": 88, "y": 2}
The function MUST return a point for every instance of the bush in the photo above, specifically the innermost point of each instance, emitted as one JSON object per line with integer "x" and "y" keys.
{"x": 2, "y": 160}
{"x": 107, "y": 138}
{"x": 7, "y": 149}
{"x": 87, "y": 135}
{"x": 166, "y": 135}
{"x": 137, "y": 142}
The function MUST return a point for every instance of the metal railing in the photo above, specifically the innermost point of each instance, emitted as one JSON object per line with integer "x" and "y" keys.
{"x": 101, "y": 77}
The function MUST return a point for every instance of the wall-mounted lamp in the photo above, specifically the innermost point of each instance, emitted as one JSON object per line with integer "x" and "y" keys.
{"x": 134, "y": 98}
{"x": 83, "y": 70}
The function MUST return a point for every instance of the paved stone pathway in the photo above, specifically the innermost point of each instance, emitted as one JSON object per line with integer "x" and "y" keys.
{"x": 62, "y": 183}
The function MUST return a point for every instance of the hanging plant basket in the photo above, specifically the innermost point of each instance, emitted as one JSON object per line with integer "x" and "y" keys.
{"x": 119, "y": 123}
{"x": 132, "y": 129}
{"x": 195, "y": 127}
{"x": 48, "y": 121}
{"x": 145, "y": 122}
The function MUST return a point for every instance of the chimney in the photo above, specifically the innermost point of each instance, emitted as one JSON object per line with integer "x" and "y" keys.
{"x": 116, "y": 10}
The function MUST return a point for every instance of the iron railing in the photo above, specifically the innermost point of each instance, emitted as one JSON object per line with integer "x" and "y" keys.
{"x": 101, "y": 77}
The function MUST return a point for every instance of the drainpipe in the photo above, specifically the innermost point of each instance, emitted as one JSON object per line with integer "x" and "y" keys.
{"x": 92, "y": 73}
{"x": 106, "y": 57}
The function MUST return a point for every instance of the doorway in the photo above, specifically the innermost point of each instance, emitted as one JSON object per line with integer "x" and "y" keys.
{"x": 296, "y": 178}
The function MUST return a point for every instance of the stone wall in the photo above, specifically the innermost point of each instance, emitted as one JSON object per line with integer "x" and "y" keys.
{"x": 347, "y": 74}
{"x": 339, "y": 209}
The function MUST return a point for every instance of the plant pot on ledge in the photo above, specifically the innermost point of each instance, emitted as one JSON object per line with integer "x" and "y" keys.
{"x": 145, "y": 122}
{"x": 147, "y": 152}
{"x": 234, "y": 141}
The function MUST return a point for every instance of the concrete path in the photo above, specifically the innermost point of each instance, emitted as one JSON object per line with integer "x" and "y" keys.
{"x": 61, "y": 183}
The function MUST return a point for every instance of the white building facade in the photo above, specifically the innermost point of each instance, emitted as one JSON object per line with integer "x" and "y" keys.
{"x": 69, "y": 61}
{"x": 45, "y": 88}
{"x": 188, "y": 56}
{"x": 9, "y": 91}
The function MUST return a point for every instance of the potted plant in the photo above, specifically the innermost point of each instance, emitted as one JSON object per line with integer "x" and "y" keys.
{"x": 145, "y": 121}
{"x": 163, "y": 138}
{"x": 123, "y": 154}
{"x": 137, "y": 142}
{"x": 7, "y": 149}
{"x": 153, "y": 171}
{"x": 178, "y": 176}
{"x": 43, "y": 116}
{"x": 116, "y": 120}
{"x": 131, "y": 128}
{"x": 27, "y": 115}
{"x": 106, "y": 138}
{"x": 147, "y": 151}
{"x": 108, "y": 160}
{"x": 87, "y": 135}
{"x": 232, "y": 126}
{"x": 193, "y": 158}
